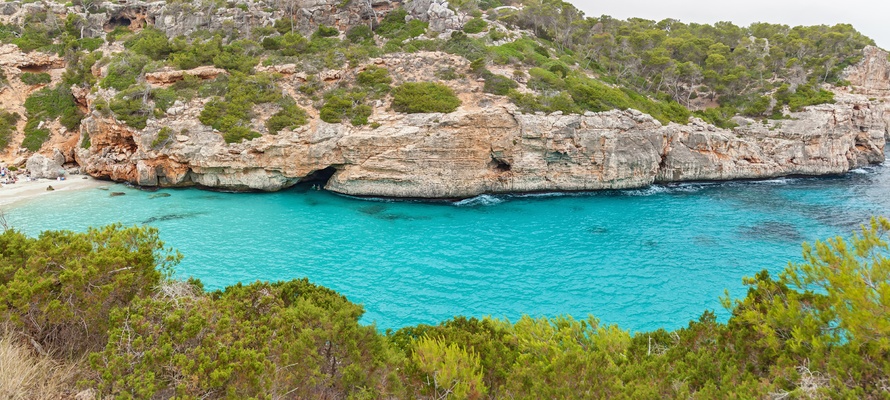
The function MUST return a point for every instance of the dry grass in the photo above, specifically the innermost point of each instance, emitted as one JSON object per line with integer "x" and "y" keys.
{"x": 27, "y": 375}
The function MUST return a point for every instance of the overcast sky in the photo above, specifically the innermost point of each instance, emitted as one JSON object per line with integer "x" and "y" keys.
{"x": 871, "y": 17}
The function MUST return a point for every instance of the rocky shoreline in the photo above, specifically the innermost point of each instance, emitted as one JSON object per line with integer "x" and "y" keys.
{"x": 498, "y": 150}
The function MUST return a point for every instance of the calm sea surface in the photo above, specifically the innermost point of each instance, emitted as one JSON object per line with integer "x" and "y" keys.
{"x": 648, "y": 258}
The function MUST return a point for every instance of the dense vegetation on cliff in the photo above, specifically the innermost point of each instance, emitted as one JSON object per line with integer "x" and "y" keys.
{"x": 544, "y": 56}
{"x": 103, "y": 301}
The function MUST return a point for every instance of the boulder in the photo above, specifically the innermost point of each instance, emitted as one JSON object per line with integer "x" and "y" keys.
{"x": 41, "y": 167}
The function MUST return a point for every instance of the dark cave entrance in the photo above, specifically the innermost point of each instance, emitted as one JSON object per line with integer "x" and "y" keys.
{"x": 499, "y": 165}
{"x": 115, "y": 22}
{"x": 319, "y": 179}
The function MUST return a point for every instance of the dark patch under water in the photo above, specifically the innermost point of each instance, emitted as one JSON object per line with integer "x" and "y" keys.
{"x": 772, "y": 230}
{"x": 170, "y": 217}
{"x": 372, "y": 209}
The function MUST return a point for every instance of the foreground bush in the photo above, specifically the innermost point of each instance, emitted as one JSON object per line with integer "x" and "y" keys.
{"x": 59, "y": 288}
{"x": 264, "y": 340}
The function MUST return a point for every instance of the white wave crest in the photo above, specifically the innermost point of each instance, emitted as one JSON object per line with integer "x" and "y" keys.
{"x": 480, "y": 200}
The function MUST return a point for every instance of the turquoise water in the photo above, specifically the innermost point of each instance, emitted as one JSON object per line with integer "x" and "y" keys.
{"x": 644, "y": 259}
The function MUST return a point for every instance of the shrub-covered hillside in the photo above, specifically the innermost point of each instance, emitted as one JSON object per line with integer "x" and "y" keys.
{"x": 102, "y": 303}
{"x": 544, "y": 56}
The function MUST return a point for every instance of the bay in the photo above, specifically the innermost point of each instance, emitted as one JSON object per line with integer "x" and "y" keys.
{"x": 644, "y": 259}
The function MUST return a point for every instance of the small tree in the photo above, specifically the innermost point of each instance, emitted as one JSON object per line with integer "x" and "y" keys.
{"x": 452, "y": 371}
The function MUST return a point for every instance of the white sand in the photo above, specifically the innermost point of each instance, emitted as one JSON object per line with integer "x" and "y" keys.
{"x": 25, "y": 190}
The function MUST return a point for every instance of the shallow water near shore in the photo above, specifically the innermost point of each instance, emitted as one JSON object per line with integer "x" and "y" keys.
{"x": 644, "y": 259}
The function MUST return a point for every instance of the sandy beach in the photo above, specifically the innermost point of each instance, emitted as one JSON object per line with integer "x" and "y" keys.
{"x": 24, "y": 190}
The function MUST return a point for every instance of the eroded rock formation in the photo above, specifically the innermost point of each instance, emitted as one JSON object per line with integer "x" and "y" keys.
{"x": 497, "y": 150}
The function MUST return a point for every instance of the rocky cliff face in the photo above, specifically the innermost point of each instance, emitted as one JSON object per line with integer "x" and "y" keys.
{"x": 871, "y": 77}
{"x": 495, "y": 150}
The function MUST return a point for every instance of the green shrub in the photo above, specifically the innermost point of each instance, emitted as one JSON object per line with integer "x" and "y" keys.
{"x": 360, "y": 34}
{"x": 373, "y": 76}
{"x": 284, "y": 25}
{"x": 592, "y": 95}
{"x": 164, "y": 98}
{"x": 475, "y": 25}
{"x": 560, "y": 101}
{"x": 117, "y": 33}
{"x": 123, "y": 70}
{"x": 30, "y": 78}
{"x": 238, "y": 56}
{"x": 464, "y": 46}
{"x": 289, "y": 117}
{"x": 719, "y": 116}
{"x": 477, "y": 66}
{"x": 60, "y": 287}
{"x": 46, "y": 105}
{"x": 85, "y": 142}
{"x": 163, "y": 137}
{"x": 191, "y": 55}
{"x": 805, "y": 95}
{"x": 375, "y": 79}
{"x": 33, "y": 39}
{"x": 326, "y": 31}
{"x": 293, "y": 43}
{"x": 149, "y": 42}
{"x": 8, "y": 123}
{"x": 131, "y": 106}
{"x": 541, "y": 79}
{"x": 449, "y": 368}
{"x": 498, "y": 84}
{"x": 90, "y": 44}
{"x": 392, "y": 23}
{"x": 447, "y": 74}
{"x": 559, "y": 68}
{"x": 349, "y": 105}
{"x": 79, "y": 71}
{"x": 394, "y": 26}
{"x": 424, "y": 97}
{"x": 489, "y": 4}
{"x": 232, "y": 113}
{"x": 496, "y": 35}
{"x": 34, "y": 136}
{"x": 758, "y": 107}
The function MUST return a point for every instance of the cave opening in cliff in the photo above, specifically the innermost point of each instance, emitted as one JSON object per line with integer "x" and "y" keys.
{"x": 115, "y": 22}
{"x": 499, "y": 165}
{"x": 319, "y": 178}
{"x": 34, "y": 68}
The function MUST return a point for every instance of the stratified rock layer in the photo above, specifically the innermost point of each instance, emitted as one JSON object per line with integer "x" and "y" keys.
{"x": 497, "y": 150}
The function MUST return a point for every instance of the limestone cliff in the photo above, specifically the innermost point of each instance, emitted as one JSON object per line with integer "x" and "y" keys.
{"x": 487, "y": 146}
{"x": 498, "y": 150}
